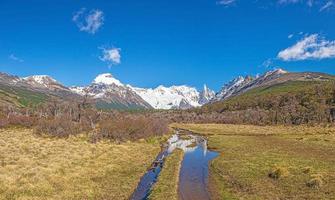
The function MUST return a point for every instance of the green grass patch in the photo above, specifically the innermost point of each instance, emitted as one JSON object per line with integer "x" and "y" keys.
{"x": 167, "y": 185}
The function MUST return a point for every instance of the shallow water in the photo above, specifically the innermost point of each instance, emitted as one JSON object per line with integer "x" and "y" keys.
{"x": 194, "y": 170}
{"x": 193, "y": 178}
{"x": 146, "y": 183}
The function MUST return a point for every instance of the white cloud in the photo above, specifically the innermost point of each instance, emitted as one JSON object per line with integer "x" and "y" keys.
{"x": 15, "y": 58}
{"x": 226, "y": 2}
{"x": 290, "y": 36}
{"x": 310, "y": 47}
{"x": 327, "y": 5}
{"x": 111, "y": 55}
{"x": 88, "y": 21}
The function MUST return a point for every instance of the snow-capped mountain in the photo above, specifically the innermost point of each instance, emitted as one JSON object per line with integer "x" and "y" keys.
{"x": 107, "y": 79}
{"x": 241, "y": 84}
{"x": 108, "y": 88}
{"x": 174, "y": 97}
{"x": 206, "y": 95}
{"x": 111, "y": 92}
{"x": 9, "y": 79}
{"x": 232, "y": 87}
{"x": 44, "y": 81}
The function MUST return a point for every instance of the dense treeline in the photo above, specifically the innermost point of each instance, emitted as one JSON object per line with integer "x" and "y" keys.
{"x": 289, "y": 103}
{"x": 62, "y": 119}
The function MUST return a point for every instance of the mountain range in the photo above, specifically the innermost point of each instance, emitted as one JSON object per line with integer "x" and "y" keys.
{"x": 109, "y": 92}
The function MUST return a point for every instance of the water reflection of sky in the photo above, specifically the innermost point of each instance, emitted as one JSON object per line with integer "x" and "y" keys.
{"x": 194, "y": 170}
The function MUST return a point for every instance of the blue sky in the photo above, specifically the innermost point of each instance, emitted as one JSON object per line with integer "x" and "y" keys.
{"x": 152, "y": 42}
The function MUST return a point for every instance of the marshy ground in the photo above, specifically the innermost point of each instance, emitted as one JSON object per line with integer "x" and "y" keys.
{"x": 34, "y": 167}
{"x": 270, "y": 162}
{"x": 255, "y": 162}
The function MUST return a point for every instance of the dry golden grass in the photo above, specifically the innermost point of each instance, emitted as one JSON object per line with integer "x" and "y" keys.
{"x": 33, "y": 167}
{"x": 301, "y": 158}
{"x": 167, "y": 185}
{"x": 250, "y": 130}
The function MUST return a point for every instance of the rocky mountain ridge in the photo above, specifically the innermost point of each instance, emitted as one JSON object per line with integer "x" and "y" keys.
{"x": 109, "y": 92}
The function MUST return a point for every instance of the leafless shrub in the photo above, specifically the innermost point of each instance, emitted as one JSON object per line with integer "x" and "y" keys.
{"x": 58, "y": 127}
{"x": 131, "y": 128}
{"x": 22, "y": 120}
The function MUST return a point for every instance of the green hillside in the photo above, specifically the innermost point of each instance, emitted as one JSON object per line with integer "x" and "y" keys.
{"x": 20, "y": 97}
{"x": 292, "y": 102}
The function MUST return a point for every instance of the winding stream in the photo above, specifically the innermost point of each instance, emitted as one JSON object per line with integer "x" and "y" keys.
{"x": 193, "y": 177}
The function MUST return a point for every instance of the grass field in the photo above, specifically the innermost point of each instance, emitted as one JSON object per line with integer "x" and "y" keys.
{"x": 33, "y": 167}
{"x": 267, "y": 162}
{"x": 167, "y": 185}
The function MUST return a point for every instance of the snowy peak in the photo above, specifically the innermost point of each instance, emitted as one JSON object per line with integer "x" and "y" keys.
{"x": 44, "y": 81}
{"x": 174, "y": 97}
{"x": 230, "y": 88}
{"x": 109, "y": 91}
{"x": 273, "y": 74}
{"x": 40, "y": 79}
{"x": 78, "y": 90}
{"x": 206, "y": 95}
{"x": 243, "y": 84}
{"x": 107, "y": 79}
{"x": 276, "y": 72}
{"x": 9, "y": 79}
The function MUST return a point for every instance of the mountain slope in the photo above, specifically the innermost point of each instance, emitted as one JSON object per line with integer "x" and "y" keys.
{"x": 111, "y": 93}
{"x": 240, "y": 84}
{"x": 275, "y": 89}
{"x": 15, "y": 91}
{"x": 46, "y": 82}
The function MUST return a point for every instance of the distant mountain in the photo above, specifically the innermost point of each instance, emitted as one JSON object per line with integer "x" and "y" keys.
{"x": 8, "y": 79}
{"x": 44, "y": 81}
{"x": 271, "y": 90}
{"x": 241, "y": 84}
{"x": 174, "y": 97}
{"x": 21, "y": 92}
{"x": 206, "y": 95}
{"x": 111, "y": 93}
{"x": 109, "y": 89}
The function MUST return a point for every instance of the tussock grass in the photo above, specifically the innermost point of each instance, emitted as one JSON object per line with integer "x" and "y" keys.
{"x": 167, "y": 185}
{"x": 278, "y": 172}
{"x": 34, "y": 167}
{"x": 249, "y": 154}
{"x": 316, "y": 181}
